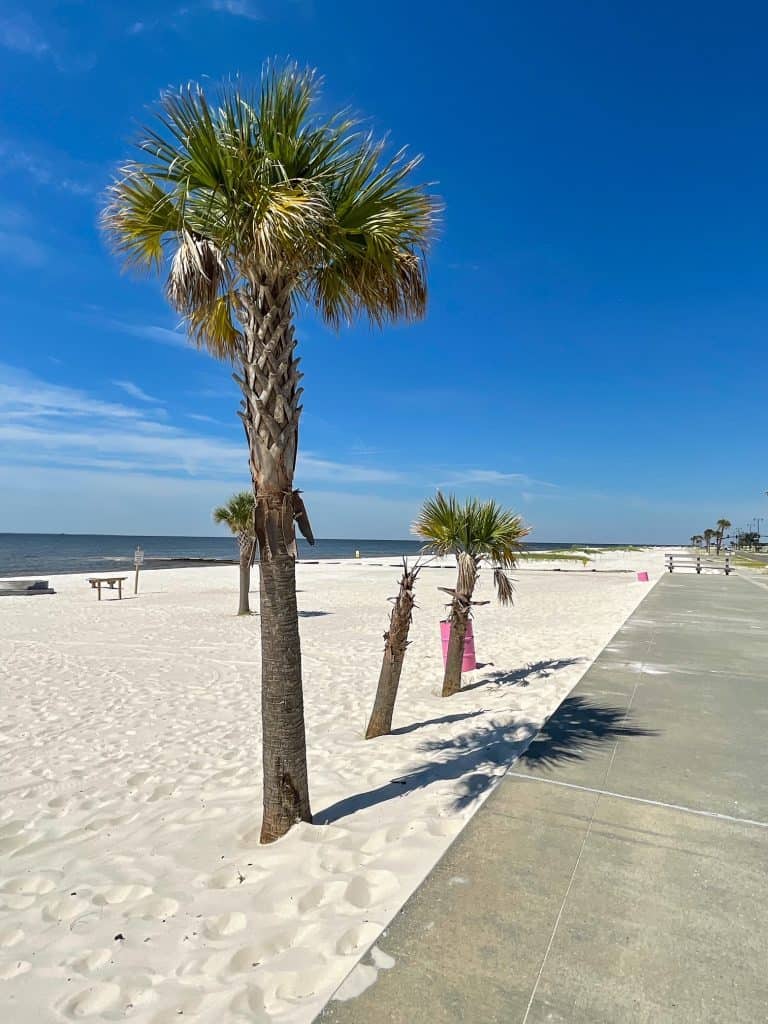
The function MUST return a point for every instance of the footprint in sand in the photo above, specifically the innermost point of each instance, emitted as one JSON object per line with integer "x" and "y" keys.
{"x": 225, "y": 924}
{"x": 117, "y": 894}
{"x": 371, "y": 888}
{"x": 12, "y": 970}
{"x": 357, "y": 938}
{"x": 154, "y": 908}
{"x": 270, "y": 945}
{"x": 320, "y": 895}
{"x": 65, "y": 908}
{"x": 249, "y": 1004}
{"x": 10, "y": 936}
{"x": 29, "y": 885}
{"x": 92, "y": 960}
{"x": 95, "y": 1000}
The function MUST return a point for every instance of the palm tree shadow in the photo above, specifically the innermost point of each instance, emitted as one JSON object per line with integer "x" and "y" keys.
{"x": 443, "y": 720}
{"x": 523, "y": 676}
{"x": 579, "y": 727}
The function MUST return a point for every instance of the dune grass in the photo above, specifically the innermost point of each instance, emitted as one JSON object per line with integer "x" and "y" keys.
{"x": 552, "y": 556}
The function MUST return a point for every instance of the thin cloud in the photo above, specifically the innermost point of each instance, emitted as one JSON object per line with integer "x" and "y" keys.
{"x": 42, "y": 170}
{"x": 135, "y": 391}
{"x": 21, "y": 35}
{"x": 152, "y": 332}
{"x": 202, "y": 418}
{"x": 23, "y": 250}
{"x": 491, "y": 476}
{"x": 49, "y": 424}
{"x": 237, "y": 8}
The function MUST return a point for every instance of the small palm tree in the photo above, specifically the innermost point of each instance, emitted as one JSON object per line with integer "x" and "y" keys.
{"x": 722, "y": 526}
{"x": 395, "y": 646}
{"x": 473, "y": 531}
{"x": 256, "y": 207}
{"x": 696, "y": 540}
{"x": 238, "y": 515}
{"x": 708, "y": 535}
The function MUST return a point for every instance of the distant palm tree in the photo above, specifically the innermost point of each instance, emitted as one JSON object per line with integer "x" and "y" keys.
{"x": 708, "y": 535}
{"x": 238, "y": 515}
{"x": 473, "y": 531}
{"x": 722, "y": 526}
{"x": 696, "y": 540}
{"x": 256, "y": 207}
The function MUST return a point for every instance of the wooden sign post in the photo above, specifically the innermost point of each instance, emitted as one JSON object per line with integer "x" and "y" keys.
{"x": 138, "y": 560}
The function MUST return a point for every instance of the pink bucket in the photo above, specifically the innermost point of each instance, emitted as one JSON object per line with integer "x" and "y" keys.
{"x": 642, "y": 577}
{"x": 468, "y": 662}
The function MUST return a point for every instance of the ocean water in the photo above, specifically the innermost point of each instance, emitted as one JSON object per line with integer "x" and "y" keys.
{"x": 40, "y": 554}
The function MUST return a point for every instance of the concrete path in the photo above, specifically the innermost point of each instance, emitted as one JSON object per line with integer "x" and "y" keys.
{"x": 619, "y": 872}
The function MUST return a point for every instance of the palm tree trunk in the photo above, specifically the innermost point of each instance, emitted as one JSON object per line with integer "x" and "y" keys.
{"x": 396, "y": 643}
{"x": 246, "y": 551}
{"x": 459, "y": 617}
{"x": 270, "y": 415}
{"x": 284, "y": 755}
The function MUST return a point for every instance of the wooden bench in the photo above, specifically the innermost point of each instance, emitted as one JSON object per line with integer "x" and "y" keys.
{"x": 694, "y": 562}
{"x": 97, "y": 581}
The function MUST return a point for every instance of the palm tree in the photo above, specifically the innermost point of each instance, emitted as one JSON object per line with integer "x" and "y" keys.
{"x": 472, "y": 531}
{"x": 722, "y": 526}
{"x": 696, "y": 540}
{"x": 708, "y": 535}
{"x": 238, "y": 515}
{"x": 395, "y": 646}
{"x": 256, "y": 207}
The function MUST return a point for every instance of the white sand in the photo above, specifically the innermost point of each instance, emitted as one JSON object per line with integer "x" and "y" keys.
{"x": 130, "y": 754}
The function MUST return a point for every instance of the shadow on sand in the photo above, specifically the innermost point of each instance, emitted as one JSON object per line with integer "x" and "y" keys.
{"x": 578, "y": 727}
{"x": 522, "y": 676}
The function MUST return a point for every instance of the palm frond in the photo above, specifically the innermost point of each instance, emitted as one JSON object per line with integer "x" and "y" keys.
{"x": 504, "y": 586}
{"x": 239, "y": 182}
{"x": 197, "y": 272}
{"x": 237, "y": 514}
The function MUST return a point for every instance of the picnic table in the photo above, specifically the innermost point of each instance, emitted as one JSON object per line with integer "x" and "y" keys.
{"x": 97, "y": 581}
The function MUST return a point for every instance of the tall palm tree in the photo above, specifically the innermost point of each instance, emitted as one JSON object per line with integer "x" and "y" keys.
{"x": 708, "y": 535}
{"x": 473, "y": 531}
{"x": 722, "y": 525}
{"x": 256, "y": 207}
{"x": 238, "y": 515}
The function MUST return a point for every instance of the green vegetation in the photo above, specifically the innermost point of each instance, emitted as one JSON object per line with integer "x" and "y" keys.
{"x": 745, "y": 562}
{"x": 605, "y": 547}
{"x": 552, "y": 556}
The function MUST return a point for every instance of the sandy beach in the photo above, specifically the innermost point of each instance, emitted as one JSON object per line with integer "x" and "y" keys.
{"x": 132, "y": 883}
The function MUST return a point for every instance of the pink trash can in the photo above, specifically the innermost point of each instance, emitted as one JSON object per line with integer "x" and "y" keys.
{"x": 468, "y": 662}
{"x": 642, "y": 577}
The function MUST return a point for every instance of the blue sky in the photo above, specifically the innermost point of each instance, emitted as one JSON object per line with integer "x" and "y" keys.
{"x": 594, "y": 353}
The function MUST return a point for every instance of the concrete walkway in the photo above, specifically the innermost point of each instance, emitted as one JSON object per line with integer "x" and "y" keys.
{"x": 619, "y": 872}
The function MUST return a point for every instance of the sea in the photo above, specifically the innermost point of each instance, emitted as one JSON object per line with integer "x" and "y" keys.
{"x": 40, "y": 554}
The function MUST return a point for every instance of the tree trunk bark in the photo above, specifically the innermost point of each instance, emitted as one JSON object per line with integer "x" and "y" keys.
{"x": 455, "y": 655}
{"x": 459, "y": 617}
{"x": 270, "y": 415}
{"x": 284, "y": 756}
{"x": 396, "y": 644}
{"x": 246, "y": 551}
